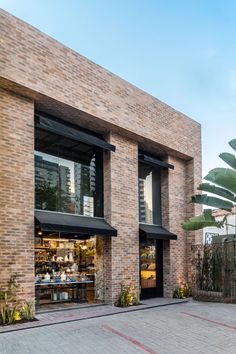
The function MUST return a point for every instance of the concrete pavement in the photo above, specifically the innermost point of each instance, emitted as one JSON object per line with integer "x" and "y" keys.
{"x": 192, "y": 327}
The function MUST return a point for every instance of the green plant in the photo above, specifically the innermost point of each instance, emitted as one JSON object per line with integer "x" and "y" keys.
{"x": 8, "y": 303}
{"x": 223, "y": 185}
{"x": 182, "y": 292}
{"x": 126, "y": 297}
{"x": 136, "y": 296}
{"x": 27, "y": 311}
{"x": 7, "y": 314}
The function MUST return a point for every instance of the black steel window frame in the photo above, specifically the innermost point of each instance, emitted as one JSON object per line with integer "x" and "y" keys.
{"x": 99, "y": 180}
{"x": 158, "y": 289}
{"x": 156, "y": 192}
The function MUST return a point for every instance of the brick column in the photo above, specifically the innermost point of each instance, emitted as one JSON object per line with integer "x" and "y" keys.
{"x": 121, "y": 210}
{"x": 17, "y": 192}
{"x": 177, "y": 187}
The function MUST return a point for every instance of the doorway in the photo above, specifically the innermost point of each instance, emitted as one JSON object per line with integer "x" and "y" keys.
{"x": 151, "y": 268}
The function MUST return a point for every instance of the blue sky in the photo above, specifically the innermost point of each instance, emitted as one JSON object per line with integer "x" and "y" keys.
{"x": 181, "y": 51}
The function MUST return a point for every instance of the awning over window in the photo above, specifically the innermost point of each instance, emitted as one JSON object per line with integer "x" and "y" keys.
{"x": 156, "y": 232}
{"x": 72, "y": 224}
{"x": 154, "y": 161}
{"x": 59, "y": 128}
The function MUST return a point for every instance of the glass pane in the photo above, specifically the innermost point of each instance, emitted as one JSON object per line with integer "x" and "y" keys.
{"x": 84, "y": 188}
{"x": 46, "y": 181}
{"x": 148, "y": 264}
{"x": 66, "y": 185}
{"x": 145, "y": 199}
{"x": 63, "y": 185}
{"x": 73, "y": 269}
{"x": 149, "y": 194}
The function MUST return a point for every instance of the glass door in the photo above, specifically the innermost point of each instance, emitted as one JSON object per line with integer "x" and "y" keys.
{"x": 151, "y": 269}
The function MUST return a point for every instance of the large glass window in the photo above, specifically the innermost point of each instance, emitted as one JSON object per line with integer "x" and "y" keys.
{"x": 68, "y": 175}
{"x": 149, "y": 194}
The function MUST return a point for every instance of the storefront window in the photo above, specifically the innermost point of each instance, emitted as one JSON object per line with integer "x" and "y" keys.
{"x": 68, "y": 270}
{"x": 68, "y": 176}
{"x": 149, "y": 194}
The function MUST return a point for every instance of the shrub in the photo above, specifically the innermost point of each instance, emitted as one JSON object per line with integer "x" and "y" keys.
{"x": 10, "y": 309}
{"x": 8, "y": 303}
{"x": 127, "y": 297}
{"x": 182, "y": 292}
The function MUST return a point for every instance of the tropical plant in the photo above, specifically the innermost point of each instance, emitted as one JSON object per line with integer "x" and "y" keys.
{"x": 223, "y": 186}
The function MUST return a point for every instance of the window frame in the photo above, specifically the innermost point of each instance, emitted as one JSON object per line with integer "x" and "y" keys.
{"x": 156, "y": 193}
{"x": 98, "y": 198}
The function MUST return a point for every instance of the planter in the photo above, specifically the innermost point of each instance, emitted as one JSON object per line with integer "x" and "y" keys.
{"x": 212, "y": 296}
{"x": 206, "y": 293}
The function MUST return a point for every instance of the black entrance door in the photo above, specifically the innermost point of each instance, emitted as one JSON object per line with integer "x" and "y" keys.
{"x": 151, "y": 268}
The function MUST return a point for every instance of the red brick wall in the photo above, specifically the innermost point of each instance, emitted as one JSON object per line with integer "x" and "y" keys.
{"x": 121, "y": 209}
{"x": 39, "y": 63}
{"x": 17, "y": 192}
{"x": 64, "y": 83}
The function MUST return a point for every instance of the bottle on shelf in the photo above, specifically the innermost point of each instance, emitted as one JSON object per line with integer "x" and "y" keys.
{"x": 47, "y": 277}
{"x": 63, "y": 276}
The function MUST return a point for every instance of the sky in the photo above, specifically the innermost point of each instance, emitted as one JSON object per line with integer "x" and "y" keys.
{"x": 180, "y": 51}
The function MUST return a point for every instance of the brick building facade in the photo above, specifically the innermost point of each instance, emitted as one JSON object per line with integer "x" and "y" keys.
{"x": 38, "y": 74}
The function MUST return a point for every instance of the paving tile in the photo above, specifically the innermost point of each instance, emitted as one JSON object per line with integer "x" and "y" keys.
{"x": 159, "y": 330}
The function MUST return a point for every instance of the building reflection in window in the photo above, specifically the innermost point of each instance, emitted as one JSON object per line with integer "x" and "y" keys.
{"x": 63, "y": 185}
{"x": 149, "y": 194}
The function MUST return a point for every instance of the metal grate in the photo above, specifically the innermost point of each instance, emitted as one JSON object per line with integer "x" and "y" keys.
{"x": 214, "y": 275}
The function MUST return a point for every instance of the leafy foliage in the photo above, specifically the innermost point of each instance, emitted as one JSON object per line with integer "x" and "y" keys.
{"x": 211, "y": 188}
{"x": 127, "y": 297}
{"x": 232, "y": 143}
{"x": 212, "y": 201}
{"x": 229, "y": 159}
{"x": 223, "y": 177}
{"x": 10, "y": 308}
{"x": 8, "y": 303}
{"x": 27, "y": 311}
{"x": 182, "y": 292}
{"x": 222, "y": 185}
{"x": 201, "y": 221}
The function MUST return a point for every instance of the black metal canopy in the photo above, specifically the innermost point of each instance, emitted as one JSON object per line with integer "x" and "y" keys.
{"x": 72, "y": 224}
{"x": 156, "y": 232}
{"x": 76, "y": 134}
{"x": 153, "y": 161}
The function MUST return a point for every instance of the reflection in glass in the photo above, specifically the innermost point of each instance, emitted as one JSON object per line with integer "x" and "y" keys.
{"x": 63, "y": 185}
{"x": 149, "y": 194}
{"x": 148, "y": 264}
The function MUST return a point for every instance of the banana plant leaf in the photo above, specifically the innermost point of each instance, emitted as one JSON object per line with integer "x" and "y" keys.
{"x": 201, "y": 221}
{"x": 232, "y": 143}
{"x": 223, "y": 177}
{"x": 207, "y": 187}
{"x": 229, "y": 159}
{"x": 212, "y": 201}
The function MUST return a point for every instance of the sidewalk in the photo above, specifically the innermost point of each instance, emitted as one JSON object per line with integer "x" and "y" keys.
{"x": 77, "y": 314}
